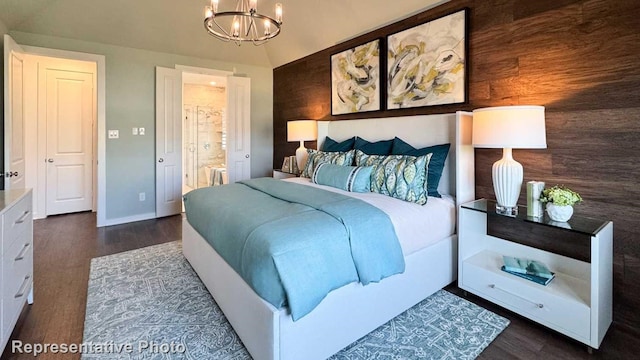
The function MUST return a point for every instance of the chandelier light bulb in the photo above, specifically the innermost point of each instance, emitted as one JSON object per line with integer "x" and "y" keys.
{"x": 279, "y": 13}
{"x": 208, "y": 12}
{"x": 214, "y": 5}
{"x": 267, "y": 27}
{"x": 236, "y": 28}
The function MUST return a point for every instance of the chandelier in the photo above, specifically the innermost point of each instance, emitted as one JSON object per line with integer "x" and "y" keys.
{"x": 244, "y": 24}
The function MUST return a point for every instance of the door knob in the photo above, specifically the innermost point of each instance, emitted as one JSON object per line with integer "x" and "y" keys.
{"x": 246, "y": 156}
{"x": 50, "y": 160}
{"x": 161, "y": 160}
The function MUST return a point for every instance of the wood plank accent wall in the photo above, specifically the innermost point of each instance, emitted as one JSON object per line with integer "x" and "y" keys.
{"x": 580, "y": 59}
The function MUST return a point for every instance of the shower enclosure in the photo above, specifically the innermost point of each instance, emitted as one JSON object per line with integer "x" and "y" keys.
{"x": 204, "y": 141}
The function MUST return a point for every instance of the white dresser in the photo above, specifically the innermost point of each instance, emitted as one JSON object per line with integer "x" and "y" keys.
{"x": 16, "y": 253}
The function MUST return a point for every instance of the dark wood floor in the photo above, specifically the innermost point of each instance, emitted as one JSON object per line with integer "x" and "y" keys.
{"x": 64, "y": 246}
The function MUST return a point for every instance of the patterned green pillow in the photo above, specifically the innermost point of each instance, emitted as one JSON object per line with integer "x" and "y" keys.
{"x": 403, "y": 177}
{"x": 320, "y": 157}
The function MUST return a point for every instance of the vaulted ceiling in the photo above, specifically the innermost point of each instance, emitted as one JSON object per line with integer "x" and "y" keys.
{"x": 175, "y": 26}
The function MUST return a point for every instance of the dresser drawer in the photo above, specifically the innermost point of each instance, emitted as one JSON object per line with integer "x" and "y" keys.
{"x": 17, "y": 262}
{"x": 16, "y": 221}
{"x": 17, "y": 275}
{"x": 13, "y": 302}
{"x": 534, "y": 301}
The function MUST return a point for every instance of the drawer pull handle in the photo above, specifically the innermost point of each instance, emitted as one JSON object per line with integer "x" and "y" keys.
{"x": 23, "y": 287}
{"x": 21, "y": 219}
{"x": 23, "y": 252}
{"x": 538, "y": 305}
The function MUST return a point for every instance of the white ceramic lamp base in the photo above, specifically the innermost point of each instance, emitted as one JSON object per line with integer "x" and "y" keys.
{"x": 301, "y": 156}
{"x": 507, "y": 182}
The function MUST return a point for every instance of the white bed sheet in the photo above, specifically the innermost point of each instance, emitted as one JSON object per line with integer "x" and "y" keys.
{"x": 417, "y": 226}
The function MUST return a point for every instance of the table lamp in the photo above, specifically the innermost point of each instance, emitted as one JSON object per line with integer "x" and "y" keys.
{"x": 508, "y": 127}
{"x": 302, "y": 130}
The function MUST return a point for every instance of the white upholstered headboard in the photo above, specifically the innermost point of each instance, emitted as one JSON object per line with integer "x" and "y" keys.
{"x": 458, "y": 178}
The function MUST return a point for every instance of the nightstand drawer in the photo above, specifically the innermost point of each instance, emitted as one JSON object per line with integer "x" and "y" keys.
{"x": 529, "y": 299}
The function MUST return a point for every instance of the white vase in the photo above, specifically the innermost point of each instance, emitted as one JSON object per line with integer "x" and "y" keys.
{"x": 559, "y": 213}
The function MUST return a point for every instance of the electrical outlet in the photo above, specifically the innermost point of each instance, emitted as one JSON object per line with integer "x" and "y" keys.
{"x": 141, "y": 131}
{"x": 134, "y": 131}
{"x": 114, "y": 134}
{"x": 142, "y": 196}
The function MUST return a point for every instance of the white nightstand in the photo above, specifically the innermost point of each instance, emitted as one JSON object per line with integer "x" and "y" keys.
{"x": 279, "y": 174}
{"x": 577, "y": 302}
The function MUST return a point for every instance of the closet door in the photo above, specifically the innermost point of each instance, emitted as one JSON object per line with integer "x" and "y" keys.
{"x": 66, "y": 96}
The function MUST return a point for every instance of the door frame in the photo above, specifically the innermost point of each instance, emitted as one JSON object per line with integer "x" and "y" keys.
{"x": 99, "y": 196}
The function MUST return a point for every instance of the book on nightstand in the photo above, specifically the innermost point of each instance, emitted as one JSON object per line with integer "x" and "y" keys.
{"x": 537, "y": 279}
{"x": 526, "y": 266}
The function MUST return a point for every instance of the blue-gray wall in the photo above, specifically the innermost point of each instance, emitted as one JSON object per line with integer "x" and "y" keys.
{"x": 130, "y": 102}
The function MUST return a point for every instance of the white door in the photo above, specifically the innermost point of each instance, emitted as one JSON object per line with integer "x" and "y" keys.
{"x": 69, "y": 111}
{"x": 238, "y": 128}
{"x": 168, "y": 141}
{"x": 14, "y": 154}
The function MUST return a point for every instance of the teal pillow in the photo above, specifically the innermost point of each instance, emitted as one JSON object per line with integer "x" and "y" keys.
{"x": 382, "y": 147}
{"x": 331, "y": 145}
{"x": 349, "y": 178}
{"x": 319, "y": 157}
{"x": 436, "y": 164}
{"x": 403, "y": 177}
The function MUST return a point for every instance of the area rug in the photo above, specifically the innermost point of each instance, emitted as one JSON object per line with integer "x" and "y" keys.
{"x": 150, "y": 304}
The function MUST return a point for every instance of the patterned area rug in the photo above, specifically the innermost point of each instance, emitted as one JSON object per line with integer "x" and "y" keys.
{"x": 150, "y": 304}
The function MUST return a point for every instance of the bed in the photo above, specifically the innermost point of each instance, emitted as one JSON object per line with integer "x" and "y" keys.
{"x": 351, "y": 311}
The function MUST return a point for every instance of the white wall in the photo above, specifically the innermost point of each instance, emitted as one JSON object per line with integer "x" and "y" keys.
{"x": 130, "y": 102}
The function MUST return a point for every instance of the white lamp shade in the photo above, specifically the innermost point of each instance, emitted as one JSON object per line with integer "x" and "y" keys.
{"x": 516, "y": 127}
{"x": 302, "y": 130}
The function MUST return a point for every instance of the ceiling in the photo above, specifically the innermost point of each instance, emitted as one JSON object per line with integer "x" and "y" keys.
{"x": 176, "y": 26}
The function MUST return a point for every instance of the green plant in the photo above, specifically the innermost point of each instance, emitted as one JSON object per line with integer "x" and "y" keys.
{"x": 560, "y": 195}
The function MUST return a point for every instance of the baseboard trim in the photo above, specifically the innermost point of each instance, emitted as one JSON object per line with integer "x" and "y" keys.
{"x": 128, "y": 219}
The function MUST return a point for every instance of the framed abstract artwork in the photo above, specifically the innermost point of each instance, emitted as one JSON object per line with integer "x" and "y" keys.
{"x": 427, "y": 64}
{"x": 355, "y": 79}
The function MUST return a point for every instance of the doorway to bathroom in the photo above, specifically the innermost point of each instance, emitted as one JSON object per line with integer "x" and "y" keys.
{"x": 203, "y": 165}
{"x": 204, "y": 129}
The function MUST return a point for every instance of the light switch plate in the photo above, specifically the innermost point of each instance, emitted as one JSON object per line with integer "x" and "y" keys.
{"x": 114, "y": 134}
{"x": 134, "y": 131}
{"x": 141, "y": 131}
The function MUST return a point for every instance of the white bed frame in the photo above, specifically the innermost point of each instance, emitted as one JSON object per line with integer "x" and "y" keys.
{"x": 352, "y": 311}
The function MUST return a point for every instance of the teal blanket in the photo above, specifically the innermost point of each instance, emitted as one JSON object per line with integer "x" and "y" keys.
{"x": 293, "y": 243}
